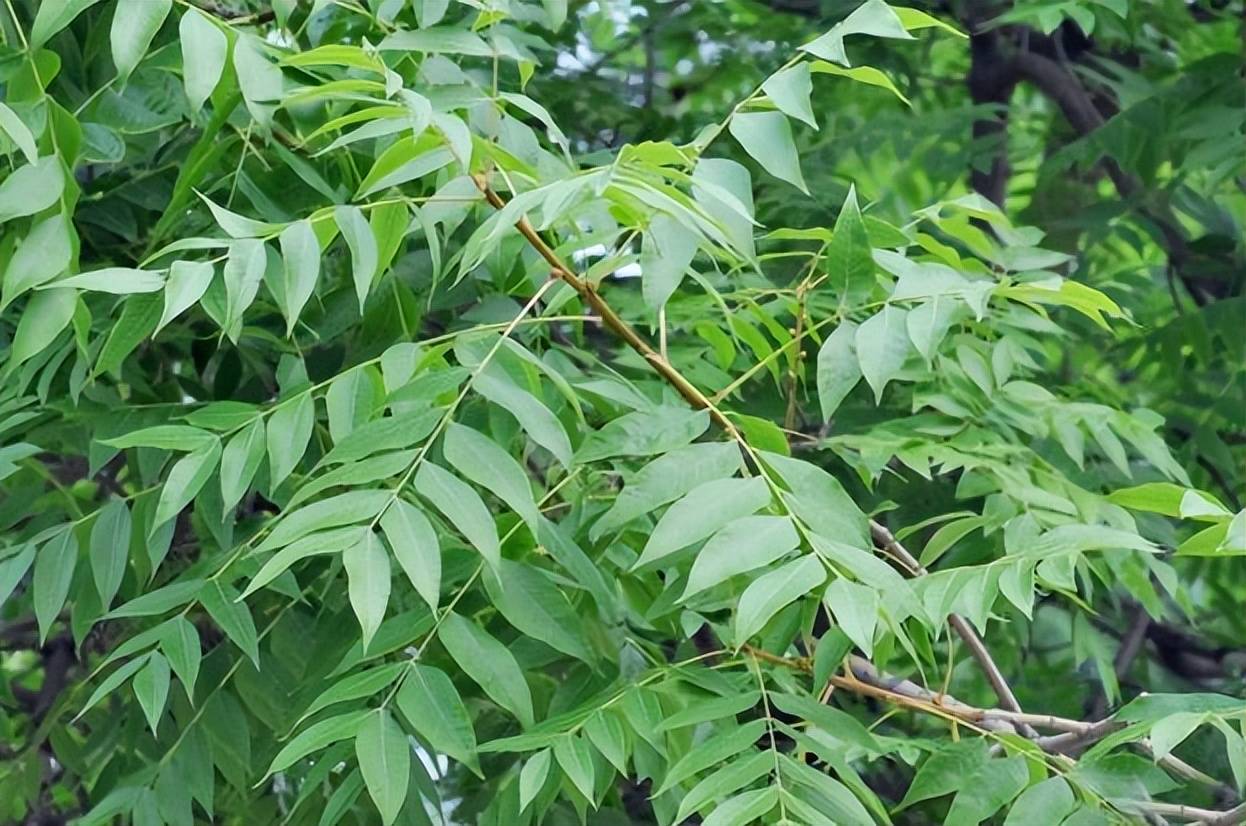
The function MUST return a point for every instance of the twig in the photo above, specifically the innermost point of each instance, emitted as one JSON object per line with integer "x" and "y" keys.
{"x": 888, "y": 543}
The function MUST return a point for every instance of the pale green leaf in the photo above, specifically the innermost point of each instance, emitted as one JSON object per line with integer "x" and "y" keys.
{"x": 414, "y": 543}
{"x": 204, "y": 48}
{"x": 368, "y": 575}
{"x": 668, "y": 248}
{"x": 883, "y": 347}
{"x": 838, "y": 369}
{"x": 770, "y": 592}
{"x": 110, "y": 549}
{"x": 53, "y": 574}
{"x": 462, "y": 506}
{"x": 431, "y": 704}
{"x": 789, "y": 89}
{"x": 134, "y": 24}
{"x": 744, "y": 544}
{"x": 481, "y": 460}
{"x": 240, "y": 460}
{"x": 767, "y": 138}
{"x": 489, "y": 663}
{"x": 385, "y": 762}
{"x": 702, "y": 512}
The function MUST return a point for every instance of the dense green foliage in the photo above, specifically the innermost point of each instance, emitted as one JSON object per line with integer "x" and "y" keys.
{"x": 621, "y": 412}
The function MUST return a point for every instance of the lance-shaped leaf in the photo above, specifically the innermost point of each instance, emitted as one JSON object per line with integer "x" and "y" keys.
{"x": 433, "y": 707}
{"x": 462, "y": 506}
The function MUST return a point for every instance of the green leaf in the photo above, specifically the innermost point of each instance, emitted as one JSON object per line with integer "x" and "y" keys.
{"x": 344, "y": 509}
{"x": 179, "y": 641}
{"x": 317, "y": 736}
{"x": 606, "y": 732}
{"x": 713, "y": 751}
{"x": 913, "y": 19}
{"x": 364, "y": 684}
{"x": 1046, "y": 803}
{"x": 724, "y": 189}
{"x": 414, "y": 543}
{"x": 13, "y": 569}
{"x": 115, "y": 280}
{"x": 32, "y": 188}
{"x": 481, "y": 460}
{"x": 701, "y": 513}
{"x": 575, "y": 758}
{"x": 349, "y": 403}
{"x": 855, "y": 608}
{"x": 12, "y": 127}
{"x": 54, "y": 15}
{"x": 994, "y": 786}
{"x": 644, "y": 433}
{"x": 861, "y": 74}
{"x": 385, "y": 762}
{"x": 767, "y": 138}
{"x": 947, "y": 536}
{"x": 462, "y": 506}
{"x": 533, "y": 416}
{"x": 233, "y": 617}
{"x": 834, "y": 722}
{"x": 532, "y": 776}
{"x": 240, "y": 460}
{"x": 204, "y": 48}
{"x": 185, "y": 480}
{"x": 164, "y": 437}
{"x": 387, "y": 433}
{"x": 820, "y": 501}
{"x": 289, "y": 430}
{"x": 134, "y": 24}
{"x": 437, "y": 40}
{"x": 744, "y": 808}
{"x": 363, "y": 252}
{"x": 531, "y": 603}
{"x": 849, "y": 264}
{"x": 1171, "y": 731}
{"x": 259, "y": 80}
{"x": 715, "y": 709}
{"x": 187, "y": 282}
{"x": 667, "y": 478}
{"x": 110, "y": 684}
{"x": 45, "y": 315}
{"x": 667, "y": 250}
{"x": 770, "y": 592}
{"x": 725, "y": 781}
{"x": 838, "y": 369}
{"x": 789, "y": 90}
{"x": 368, "y": 574}
{"x": 947, "y": 770}
{"x": 243, "y": 271}
{"x": 44, "y": 253}
{"x": 432, "y": 706}
{"x": 53, "y": 574}
{"x": 744, "y": 544}
{"x": 489, "y": 663}
{"x": 110, "y": 549}
{"x": 151, "y": 687}
{"x": 159, "y": 601}
{"x": 883, "y": 347}
{"x": 300, "y": 254}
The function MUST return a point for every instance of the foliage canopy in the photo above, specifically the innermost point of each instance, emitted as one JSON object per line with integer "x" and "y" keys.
{"x": 619, "y": 412}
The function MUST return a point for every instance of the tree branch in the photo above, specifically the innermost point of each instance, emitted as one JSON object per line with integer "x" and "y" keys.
{"x": 885, "y": 540}
{"x": 882, "y": 537}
